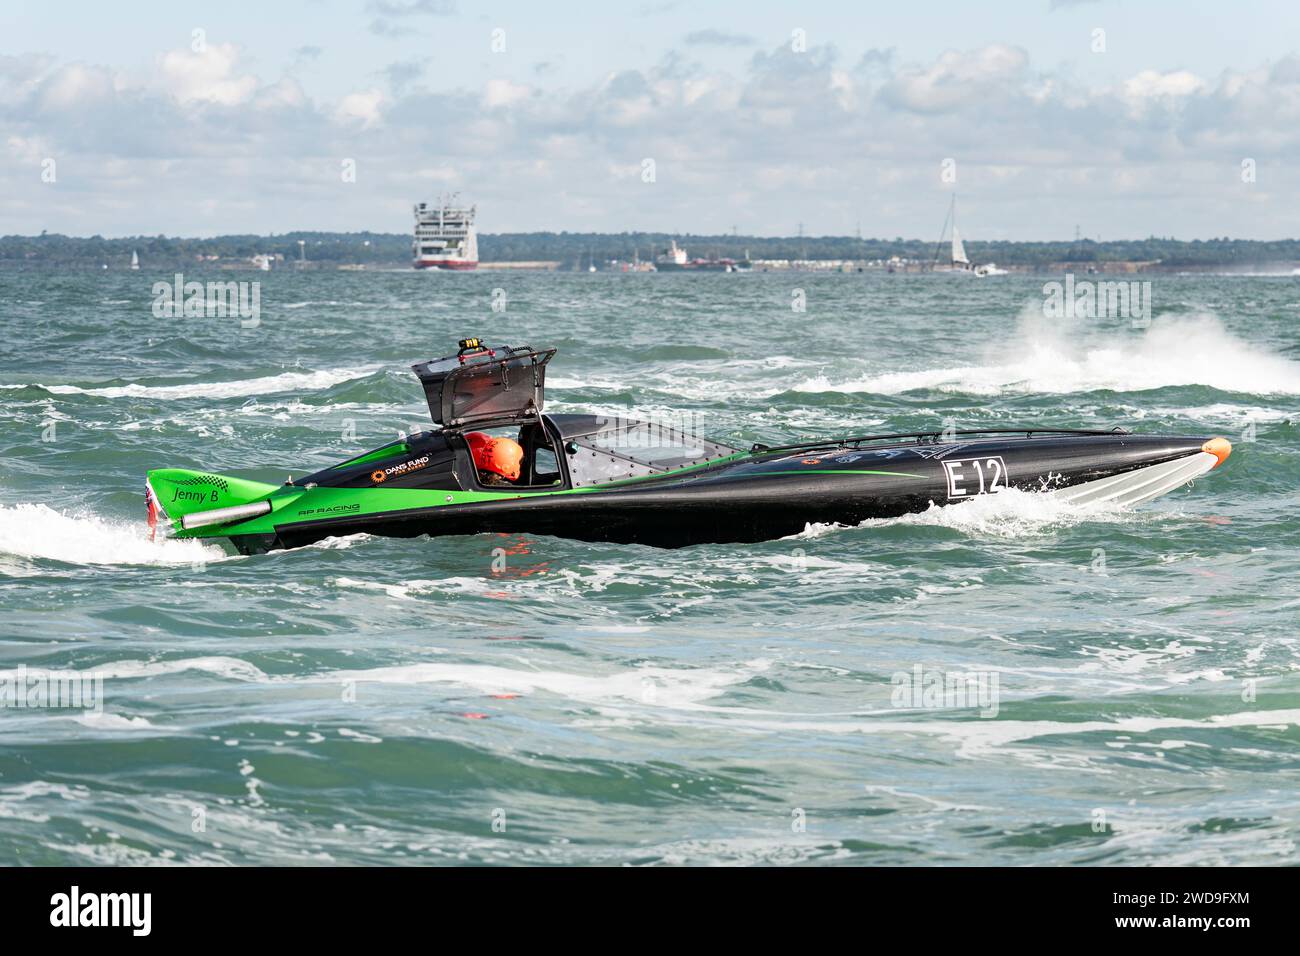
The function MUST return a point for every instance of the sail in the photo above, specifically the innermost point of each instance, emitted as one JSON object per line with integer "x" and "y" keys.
{"x": 958, "y": 250}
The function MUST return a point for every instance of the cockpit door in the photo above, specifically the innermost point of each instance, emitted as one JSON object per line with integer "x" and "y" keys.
{"x": 481, "y": 384}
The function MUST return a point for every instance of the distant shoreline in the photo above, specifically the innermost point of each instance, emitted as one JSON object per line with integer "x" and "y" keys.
{"x": 1116, "y": 271}
{"x": 566, "y": 251}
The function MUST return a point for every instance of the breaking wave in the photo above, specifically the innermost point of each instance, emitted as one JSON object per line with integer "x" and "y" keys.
{"x": 1174, "y": 351}
{"x": 267, "y": 385}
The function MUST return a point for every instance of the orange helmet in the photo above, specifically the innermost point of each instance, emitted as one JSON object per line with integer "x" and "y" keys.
{"x": 501, "y": 456}
{"x": 477, "y": 441}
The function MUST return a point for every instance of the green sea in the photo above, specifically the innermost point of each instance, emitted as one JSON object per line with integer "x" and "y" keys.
{"x": 525, "y": 700}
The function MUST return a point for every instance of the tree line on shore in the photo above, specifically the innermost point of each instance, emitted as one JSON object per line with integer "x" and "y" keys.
{"x": 576, "y": 249}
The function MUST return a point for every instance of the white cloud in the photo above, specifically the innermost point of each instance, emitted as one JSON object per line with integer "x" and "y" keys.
{"x": 30, "y": 150}
{"x": 501, "y": 92}
{"x": 20, "y": 75}
{"x": 287, "y": 93}
{"x": 958, "y": 78}
{"x": 77, "y": 85}
{"x": 364, "y": 107}
{"x": 788, "y": 137}
{"x": 208, "y": 76}
{"x": 1149, "y": 84}
{"x": 718, "y": 38}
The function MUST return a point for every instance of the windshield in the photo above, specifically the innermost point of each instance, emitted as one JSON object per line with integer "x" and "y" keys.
{"x": 649, "y": 444}
{"x": 616, "y": 448}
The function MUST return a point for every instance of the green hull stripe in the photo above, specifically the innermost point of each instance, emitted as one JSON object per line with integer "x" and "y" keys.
{"x": 379, "y": 454}
{"x": 834, "y": 471}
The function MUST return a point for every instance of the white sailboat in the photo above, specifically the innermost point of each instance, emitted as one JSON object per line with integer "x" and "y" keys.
{"x": 959, "y": 261}
{"x": 135, "y": 261}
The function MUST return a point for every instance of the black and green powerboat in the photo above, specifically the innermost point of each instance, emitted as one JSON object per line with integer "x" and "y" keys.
{"x": 598, "y": 478}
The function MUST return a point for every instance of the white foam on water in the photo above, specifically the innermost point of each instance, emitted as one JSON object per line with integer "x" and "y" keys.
{"x": 586, "y": 382}
{"x": 978, "y": 737}
{"x": 419, "y": 586}
{"x": 1129, "y": 660}
{"x": 766, "y": 362}
{"x": 36, "y": 531}
{"x": 1051, "y": 357}
{"x": 41, "y": 788}
{"x": 655, "y": 687}
{"x": 13, "y": 799}
{"x": 341, "y": 543}
{"x": 295, "y": 406}
{"x": 1110, "y": 671}
{"x": 680, "y": 688}
{"x": 1231, "y": 415}
{"x": 1011, "y": 513}
{"x": 826, "y": 569}
{"x": 334, "y": 303}
{"x": 107, "y": 721}
{"x": 359, "y": 736}
{"x": 402, "y": 590}
{"x": 270, "y": 384}
{"x": 231, "y": 668}
{"x": 550, "y": 587}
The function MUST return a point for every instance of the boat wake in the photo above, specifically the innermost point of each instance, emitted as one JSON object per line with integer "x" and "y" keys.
{"x": 1043, "y": 357}
{"x": 34, "y": 531}
{"x": 1009, "y": 514}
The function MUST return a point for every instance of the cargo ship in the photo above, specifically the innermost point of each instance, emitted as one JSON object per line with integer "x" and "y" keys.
{"x": 445, "y": 237}
{"x": 674, "y": 259}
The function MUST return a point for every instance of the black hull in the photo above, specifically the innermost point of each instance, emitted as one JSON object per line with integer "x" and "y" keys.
{"x": 778, "y": 493}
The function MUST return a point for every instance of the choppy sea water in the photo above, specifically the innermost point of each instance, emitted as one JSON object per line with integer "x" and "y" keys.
{"x": 412, "y": 702}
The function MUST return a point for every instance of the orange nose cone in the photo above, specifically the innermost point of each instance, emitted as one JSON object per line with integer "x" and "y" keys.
{"x": 1220, "y": 448}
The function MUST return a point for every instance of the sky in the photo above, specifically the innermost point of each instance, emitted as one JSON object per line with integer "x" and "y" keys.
{"x": 1116, "y": 119}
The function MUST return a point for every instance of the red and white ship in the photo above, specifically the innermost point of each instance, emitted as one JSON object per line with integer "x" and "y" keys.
{"x": 445, "y": 237}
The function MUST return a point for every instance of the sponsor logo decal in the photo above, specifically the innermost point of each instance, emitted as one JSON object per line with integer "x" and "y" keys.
{"x": 939, "y": 452}
{"x": 330, "y": 510}
{"x": 380, "y": 475}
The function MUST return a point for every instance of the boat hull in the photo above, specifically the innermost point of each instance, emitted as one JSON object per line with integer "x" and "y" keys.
{"x": 751, "y": 497}
{"x": 451, "y": 265}
{"x": 696, "y": 267}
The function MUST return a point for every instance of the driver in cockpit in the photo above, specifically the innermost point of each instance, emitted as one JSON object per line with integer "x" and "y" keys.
{"x": 497, "y": 459}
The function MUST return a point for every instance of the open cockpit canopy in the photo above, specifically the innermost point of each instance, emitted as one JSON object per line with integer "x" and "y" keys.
{"x": 480, "y": 384}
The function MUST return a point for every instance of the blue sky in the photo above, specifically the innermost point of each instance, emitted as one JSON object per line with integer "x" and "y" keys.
{"x": 247, "y": 131}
